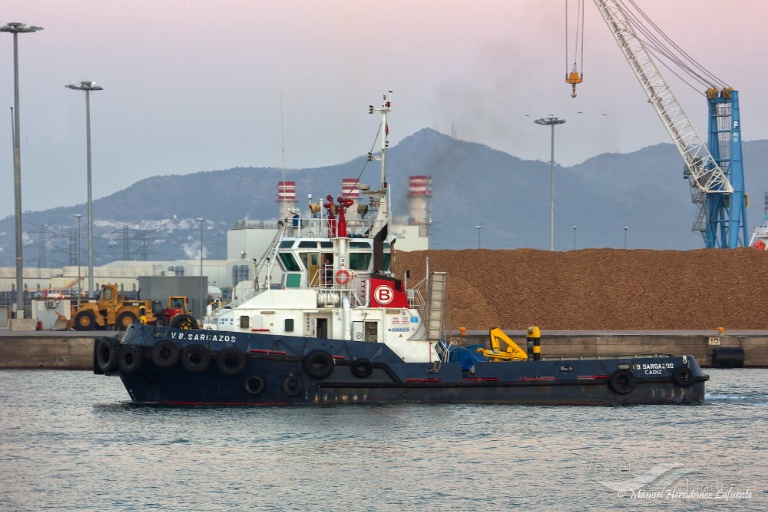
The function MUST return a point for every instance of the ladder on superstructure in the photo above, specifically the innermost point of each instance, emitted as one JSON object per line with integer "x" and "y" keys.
{"x": 436, "y": 305}
{"x": 268, "y": 259}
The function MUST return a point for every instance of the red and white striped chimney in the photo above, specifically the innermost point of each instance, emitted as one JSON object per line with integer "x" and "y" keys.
{"x": 419, "y": 192}
{"x": 286, "y": 198}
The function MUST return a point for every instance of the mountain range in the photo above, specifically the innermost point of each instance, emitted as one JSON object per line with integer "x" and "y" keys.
{"x": 639, "y": 198}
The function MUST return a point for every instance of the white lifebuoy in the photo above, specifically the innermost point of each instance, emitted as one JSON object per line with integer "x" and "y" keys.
{"x": 342, "y": 276}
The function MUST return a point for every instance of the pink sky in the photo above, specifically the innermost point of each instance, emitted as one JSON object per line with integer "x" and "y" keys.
{"x": 198, "y": 85}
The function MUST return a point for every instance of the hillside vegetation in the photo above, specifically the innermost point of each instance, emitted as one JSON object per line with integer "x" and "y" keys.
{"x": 472, "y": 184}
{"x": 601, "y": 289}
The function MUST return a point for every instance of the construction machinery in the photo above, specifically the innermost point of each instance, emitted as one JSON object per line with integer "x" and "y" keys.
{"x": 111, "y": 310}
{"x": 510, "y": 351}
{"x": 175, "y": 314}
{"x": 714, "y": 170}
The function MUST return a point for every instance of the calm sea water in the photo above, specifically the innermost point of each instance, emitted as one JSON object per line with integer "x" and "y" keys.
{"x": 72, "y": 441}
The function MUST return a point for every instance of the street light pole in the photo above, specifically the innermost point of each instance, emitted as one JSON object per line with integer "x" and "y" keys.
{"x": 574, "y": 237}
{"x": 16, "y": 29}
{"x": 626, "y": 228}
{"x": 77, "y": 215}
{"x": 479, "y": 230}
{"x": 551, "y": 121}
{"x": 88, "y": 87}
{"x": 205, "y": 285}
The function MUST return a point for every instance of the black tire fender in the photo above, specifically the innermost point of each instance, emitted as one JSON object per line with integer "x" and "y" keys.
{"x": 292, "y": 385}
{"x": 683, "y": 376}
{"x": 129, "y": 358}
{"x": 318, "y": 364}
{"x": 254, "y": 385}
{"x": 165, "y": 353}
{"x": 195, "y": 358}
{"x": 231, "y": 361}
{"x": 105, "y": 355}
{"x": 622, "y": 381}
{"x": 361, "y": 368}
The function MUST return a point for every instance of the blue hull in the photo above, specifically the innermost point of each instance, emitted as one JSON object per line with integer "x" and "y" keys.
{"x": 161, "y": 365}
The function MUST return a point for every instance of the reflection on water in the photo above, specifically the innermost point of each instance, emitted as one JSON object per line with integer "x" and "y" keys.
{"x": 73, "y": 441}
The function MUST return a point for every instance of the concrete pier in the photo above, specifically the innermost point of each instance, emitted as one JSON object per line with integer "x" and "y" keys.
{"x": 73, "y": 350}
{"x": 64, "y": 350}
{"x": 700, "y": 344}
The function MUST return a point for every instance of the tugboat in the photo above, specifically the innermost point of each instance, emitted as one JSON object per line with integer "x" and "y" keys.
{"x": 327, "y": 322}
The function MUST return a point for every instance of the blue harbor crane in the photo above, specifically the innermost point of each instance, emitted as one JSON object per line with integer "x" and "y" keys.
{"x": 715, "y": 170}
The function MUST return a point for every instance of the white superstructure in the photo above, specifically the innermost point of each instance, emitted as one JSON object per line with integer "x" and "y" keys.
{"x": 325, "y": 274}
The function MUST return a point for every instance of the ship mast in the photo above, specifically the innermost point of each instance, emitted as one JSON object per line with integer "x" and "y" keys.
{"x": 384, "y": 207}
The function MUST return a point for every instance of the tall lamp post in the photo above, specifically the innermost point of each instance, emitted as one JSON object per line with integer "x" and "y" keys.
{"x": 88, "y": 87}
{"x": 79, "y": 292}
{"x": 205, "y": 285}
{"x": 16, "y": 29}
{"x": 574, "y": 237}
{"x": 551, "y": 121}
{"x": 479, "y": 230}
{"x": 626, "y": 228}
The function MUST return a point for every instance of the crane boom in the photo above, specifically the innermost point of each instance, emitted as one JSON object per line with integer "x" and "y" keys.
{"x": 710, "y": 185}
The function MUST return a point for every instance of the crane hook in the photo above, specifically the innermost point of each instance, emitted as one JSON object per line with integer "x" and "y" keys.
{"x": 574, "y": 78}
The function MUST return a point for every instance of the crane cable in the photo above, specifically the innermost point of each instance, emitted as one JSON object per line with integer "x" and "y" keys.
{"x": 574, "y": 77}
{"x": 655, "y": 39}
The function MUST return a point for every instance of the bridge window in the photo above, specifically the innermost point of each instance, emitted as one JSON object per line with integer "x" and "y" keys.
{"x": 288, "y": 262}
{"x": 360, "y": 261}
{"x": 293, "y": 280}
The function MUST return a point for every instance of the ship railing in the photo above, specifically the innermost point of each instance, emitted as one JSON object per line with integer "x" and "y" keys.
{"x": 415, "y": 296}
{"x": 415, "y": 299}
{"x": 317, "y": 279}
{"x": 607, "y": 357}
{"x": 322, "y": 227}
{"x": 443, "y": 349}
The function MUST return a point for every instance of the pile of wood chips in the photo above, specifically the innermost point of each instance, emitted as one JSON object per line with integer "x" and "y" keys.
{"x": 599, "y": 289}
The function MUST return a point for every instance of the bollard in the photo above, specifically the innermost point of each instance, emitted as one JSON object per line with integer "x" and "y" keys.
{"x": 533, "y": 341}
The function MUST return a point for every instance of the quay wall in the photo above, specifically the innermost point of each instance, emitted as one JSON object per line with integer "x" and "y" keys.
{"x": 74, "y": 351}
{"x": 594, "y": 344}
{"x": 20, "y": 350}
